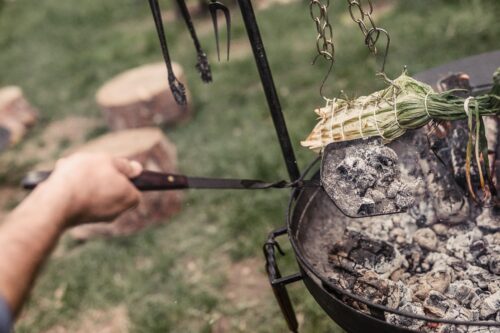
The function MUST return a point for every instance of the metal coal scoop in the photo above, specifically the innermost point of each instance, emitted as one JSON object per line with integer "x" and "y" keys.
{"x": 362, "y": 177}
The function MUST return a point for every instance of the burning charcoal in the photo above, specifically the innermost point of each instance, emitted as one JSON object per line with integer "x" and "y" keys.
{"x": 494, "y": 264}
{"x": 437, "y": 304}
{"x": 488, "y": 221}
{"x": 403, "y": 321}
{"x": 413, "y": 255}
{"x": 452, "y": 329}
{"x": 404, "y": 199}
{"x": 459, "y": 246}
{"x": 436, "y": 280}
{"x": 440, "y": 229}
{"x": 366, "y": 252}
{"x": 379, "y": 230}
{"x": 483, "y": 329}
{"x": 398, "y": 235}
{"x": 407, "y": 222}
{"x": 343, "y": 264}
{"x": 379, "y": 291}
{"x": 463, "y": 292}
{"x": 494, "y": 285}
{"x": 478, "y": 247}
{"x": 344, "y": 279}
{"x": 402, "y": 194}
{"x": 375, "y": 195}
{"x": 490, "y": 305}
{"x": 493, "y": 239}
{"x": 458, "y": 312}
{"x": 361, "y": 178}
{"x": 366, "y": 206}
{"x": 405, "y": 293}
{"x": 384, "y": 160}
{"x": 426, "y": 238}
{"x": 479, "y": 276}
{"x": 356, "y": 171}
{"x": 444, "y": 307}
{"x": 393, "y": 189}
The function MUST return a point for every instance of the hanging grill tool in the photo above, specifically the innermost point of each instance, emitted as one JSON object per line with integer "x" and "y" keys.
{"x": 177, "y": 88}
{"x": 213, "y": 7}
{"x": 202, "y": 65}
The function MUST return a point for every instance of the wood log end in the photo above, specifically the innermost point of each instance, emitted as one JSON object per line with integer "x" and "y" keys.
{"x": 141, "y": 97}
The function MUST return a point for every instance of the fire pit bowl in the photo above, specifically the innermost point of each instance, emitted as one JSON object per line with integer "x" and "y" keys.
{"x": 313, "y": 221}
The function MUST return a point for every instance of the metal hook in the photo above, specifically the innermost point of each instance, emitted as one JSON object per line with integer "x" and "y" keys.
{"x": 323, "y": 83}
{"x": 214, "y": 6}
{"x": 371, "y": 43}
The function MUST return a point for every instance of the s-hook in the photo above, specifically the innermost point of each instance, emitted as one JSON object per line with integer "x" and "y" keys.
{"x": 177, "y": 88}
{"x": 202, "y": 65}
{"x": 215, "y": 6}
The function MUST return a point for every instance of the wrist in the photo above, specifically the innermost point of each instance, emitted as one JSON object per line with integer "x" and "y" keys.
{"x": 53, "y": 199}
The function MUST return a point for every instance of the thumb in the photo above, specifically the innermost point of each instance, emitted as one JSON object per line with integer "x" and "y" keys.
{"x": 130, "y": 169}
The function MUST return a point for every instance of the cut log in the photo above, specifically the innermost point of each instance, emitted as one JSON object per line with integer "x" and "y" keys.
{"x": 16, "y": 114}
{"x": 141, "y": 97}
{"x": 154, "y": 151}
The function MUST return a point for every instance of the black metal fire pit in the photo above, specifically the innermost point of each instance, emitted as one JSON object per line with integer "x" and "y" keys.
{"x": 310, "y": 222}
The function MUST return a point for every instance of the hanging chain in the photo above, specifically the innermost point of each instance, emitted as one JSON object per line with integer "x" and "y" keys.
{"x": 361, "y": 13}
{"x": 324, "y": 40}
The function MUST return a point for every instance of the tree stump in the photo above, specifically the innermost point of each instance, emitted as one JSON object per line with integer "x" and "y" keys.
{"x": 16, "y": 114}
{"x": 141, "y": 97}
{"x": 155, "y": 152}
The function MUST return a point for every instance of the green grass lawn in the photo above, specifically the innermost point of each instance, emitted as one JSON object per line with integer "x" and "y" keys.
{"x": 174, "y": 277}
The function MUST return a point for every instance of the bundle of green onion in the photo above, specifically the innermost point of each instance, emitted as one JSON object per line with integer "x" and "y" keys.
{"x": 405, "y": 104}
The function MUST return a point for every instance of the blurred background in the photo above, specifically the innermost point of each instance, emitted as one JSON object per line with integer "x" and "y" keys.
{"x": 202, "y": 270}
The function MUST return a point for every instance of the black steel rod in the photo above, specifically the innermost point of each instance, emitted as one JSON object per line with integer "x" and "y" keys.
{"x": 269, "y": 88}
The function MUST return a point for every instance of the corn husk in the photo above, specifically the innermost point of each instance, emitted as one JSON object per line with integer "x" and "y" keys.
{"x": 405, "y": 104}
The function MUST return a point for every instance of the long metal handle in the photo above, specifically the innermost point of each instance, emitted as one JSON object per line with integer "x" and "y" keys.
{"x": 146, "y": 181}
{"x": 159, "y": 181}
{"x": 278, "y": 283}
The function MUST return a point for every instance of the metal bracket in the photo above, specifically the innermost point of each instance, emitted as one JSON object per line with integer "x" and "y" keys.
{"x": 278, "y": 283}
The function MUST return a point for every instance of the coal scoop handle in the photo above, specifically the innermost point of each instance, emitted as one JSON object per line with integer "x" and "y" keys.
{"x": 146, "y": 181}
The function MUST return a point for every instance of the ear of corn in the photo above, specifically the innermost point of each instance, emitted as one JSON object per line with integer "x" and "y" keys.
{"x": 405, "y": 104}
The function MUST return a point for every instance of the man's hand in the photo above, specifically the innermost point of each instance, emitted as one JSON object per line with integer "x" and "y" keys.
{"x": 95, "y": 187}
{"x": 82, "y": 188}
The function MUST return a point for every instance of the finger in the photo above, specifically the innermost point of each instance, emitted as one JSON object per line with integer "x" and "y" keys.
{"x": 133, "y": 198}
{"x": 137, "y": 168}
{"x": 127, "y": 168}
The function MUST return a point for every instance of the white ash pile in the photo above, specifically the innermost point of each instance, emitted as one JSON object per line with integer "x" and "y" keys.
{"x": 441, "y": 259}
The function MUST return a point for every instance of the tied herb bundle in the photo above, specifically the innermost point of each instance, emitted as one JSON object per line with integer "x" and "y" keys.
{"x": 409, "y": 104}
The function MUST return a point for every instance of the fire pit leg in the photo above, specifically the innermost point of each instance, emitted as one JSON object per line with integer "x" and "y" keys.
{"x": 279, "y": 283}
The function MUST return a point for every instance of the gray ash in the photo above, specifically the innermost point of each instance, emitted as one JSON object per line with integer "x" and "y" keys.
{"x": 365, "y": 179}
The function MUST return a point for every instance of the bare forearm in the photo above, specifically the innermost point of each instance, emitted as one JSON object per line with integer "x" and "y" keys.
{"x": 26, "y": 238}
